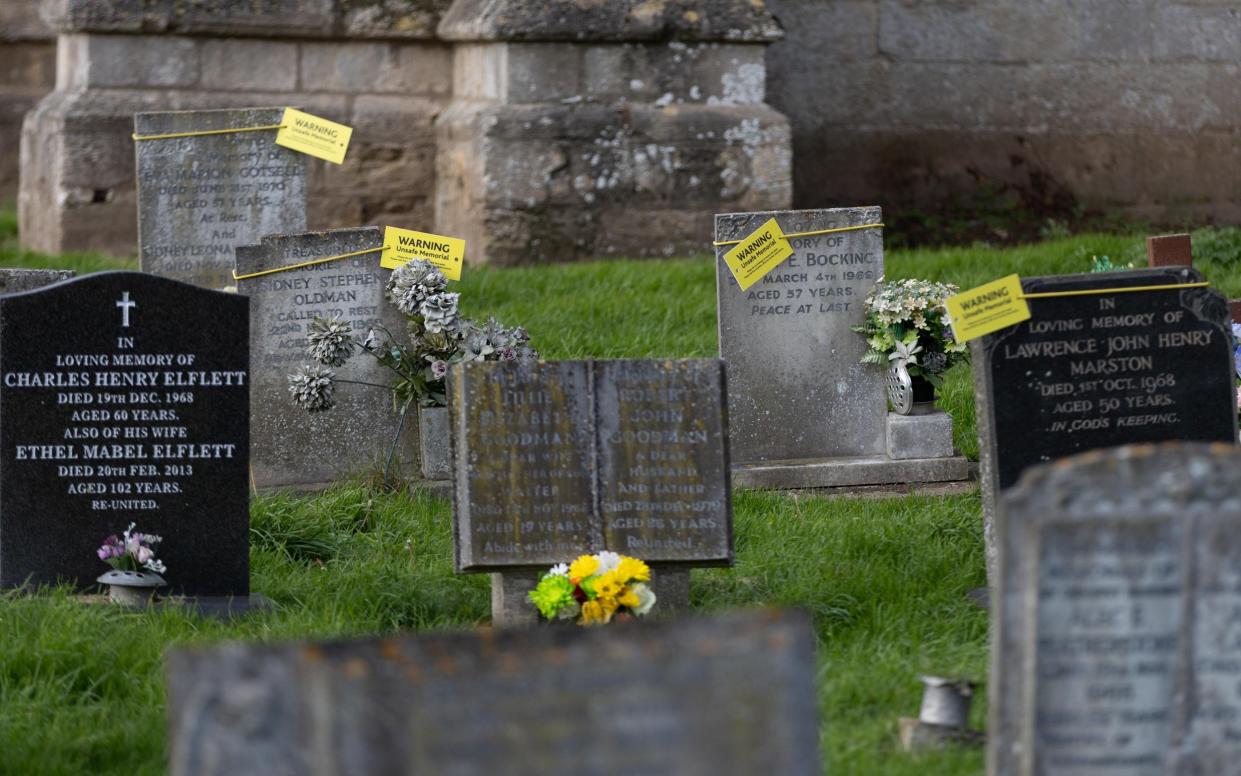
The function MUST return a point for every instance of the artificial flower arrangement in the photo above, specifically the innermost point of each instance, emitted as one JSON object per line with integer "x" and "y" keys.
{"x": 437, "y": 337}
{"x": 907, "y": 323}
{"x": 1236, "y": 357}
{"x": 1104, "y": 264}
{"x": 594, "y": 589}
{"x": 132, "y": 551}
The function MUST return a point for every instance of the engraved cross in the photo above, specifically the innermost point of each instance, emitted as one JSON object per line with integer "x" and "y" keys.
{"x": 125, "y": 306}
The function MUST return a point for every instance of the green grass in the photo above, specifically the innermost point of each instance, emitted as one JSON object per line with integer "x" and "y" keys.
{"x": 81, "y": 688}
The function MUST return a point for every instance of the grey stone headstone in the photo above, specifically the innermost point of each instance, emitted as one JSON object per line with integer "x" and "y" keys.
{"x": 124, "y": 397}
{"x": 524, "y": 460}
{"x": 1102, "y": 370}
{"x": 796, "y": 389}
{"x": 663, "y": 459}
{"x": 288, "y": 445}
{"x": 733, "y": 695}
{"x": 1115, "y": 644}
{"x": 200, "y": 197}
{"x": 560, "y": 458}
{"x": 15, "y": 281}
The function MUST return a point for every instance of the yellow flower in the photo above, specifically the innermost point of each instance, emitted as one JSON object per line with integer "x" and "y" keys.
{"x": 583, "y": 567}
{"x": 610, "y": 605}
{"x": 630, "y": 569}
{"x": 628, "y": 599}
{"x": 608, "y": 585}
{"x": 592, "y": 613}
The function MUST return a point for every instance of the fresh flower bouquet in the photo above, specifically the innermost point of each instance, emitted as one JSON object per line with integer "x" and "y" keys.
{"x": 133, "y": 551}
{"x": 594, "y": 588}
{"x": 906, "y": 322}
{"x": 437, "y": 337}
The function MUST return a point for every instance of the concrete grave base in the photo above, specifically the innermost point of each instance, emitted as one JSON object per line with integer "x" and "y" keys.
{"x": 843, "y": 472}
{"x": 510, "y": 609}
{"x": 919, "y": 436}
{"x": 919, "y": 736}
{"x": 219, "y": 607}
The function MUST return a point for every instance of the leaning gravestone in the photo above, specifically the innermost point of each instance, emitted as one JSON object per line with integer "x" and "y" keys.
{"x": 803, "y": 412}
{"x": 1102, "y": 370}
{"x": 1115, "y": 647}
{"x": 15, "y": 281}
{"x": 290, "y": 447}
{"x": 556, "y": 459}
{"x": 124, "y": 398}
{"x": 732, "y": 695}
{"x": 201, "y": 196}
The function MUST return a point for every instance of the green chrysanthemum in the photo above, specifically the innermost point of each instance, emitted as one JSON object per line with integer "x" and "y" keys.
{"x": 552, "y": 594}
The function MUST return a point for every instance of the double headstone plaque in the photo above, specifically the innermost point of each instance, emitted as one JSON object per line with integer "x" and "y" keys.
{"x": 289, "y": 446}
{"x": 732, "y": 695}
{"x": 556, "y": 459}
{"x": 201, "y": 195}
{"x": 1096, "y": 370}
{"x": 803, "y": 411}
{"x": 124, "y": 398}
{"x": 1116, "y": 641}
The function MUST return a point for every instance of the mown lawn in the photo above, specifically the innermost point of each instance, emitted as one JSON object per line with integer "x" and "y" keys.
{"x": 81, "y": 688}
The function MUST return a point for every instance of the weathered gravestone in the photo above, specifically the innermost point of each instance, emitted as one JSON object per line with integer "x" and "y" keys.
{"x": 556, "y": 459}
{"x": 803, "y": 412}
{"x": 1116, "y": 643}
{"x": 1170, "y": 250}
{"x": 14, "y": 281}
{"x": 289, "y": 446}
{"x": 124, "y": 398}
{"x": 729, "y": 695}
{"x": 201, "y": 196}
{"x": 1101, "y": 370}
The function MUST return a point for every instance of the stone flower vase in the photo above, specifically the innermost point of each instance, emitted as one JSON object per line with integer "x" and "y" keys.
{"x": 132, "y": 588}
{"x": 433, "y": 443}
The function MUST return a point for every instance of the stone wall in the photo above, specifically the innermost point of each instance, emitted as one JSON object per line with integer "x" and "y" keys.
{"x": 375, "y": 66}
{"x": 1130, "y": 105}
{"x": 586, "y": 129}
{"x": 27, "y": 72}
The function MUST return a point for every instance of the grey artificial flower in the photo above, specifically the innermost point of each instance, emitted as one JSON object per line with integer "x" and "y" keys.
{"x": 497, "y": 336}
{"x": 412, "y": 283}
{"x": 439, "y": 311}
{"x": 330, "y": 340}
{"x": 439, "y": 369}
{"x": 527, "y": 354}
{"x": 508, "y": 354}
{"x": 476, "y": 348}
{"x": 520, "y": 335}
{"x": 313, "y": 387}
{"x": 372, "y": 341}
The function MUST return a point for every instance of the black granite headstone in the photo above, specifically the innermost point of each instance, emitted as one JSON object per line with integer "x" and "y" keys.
{"x": 124, "y": 397}
{"x": 1102, "y": 370}
{"x": 731, "y": 695}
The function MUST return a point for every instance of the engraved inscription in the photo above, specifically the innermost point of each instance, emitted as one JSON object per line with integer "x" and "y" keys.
{"x": 1108, "y": 630}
